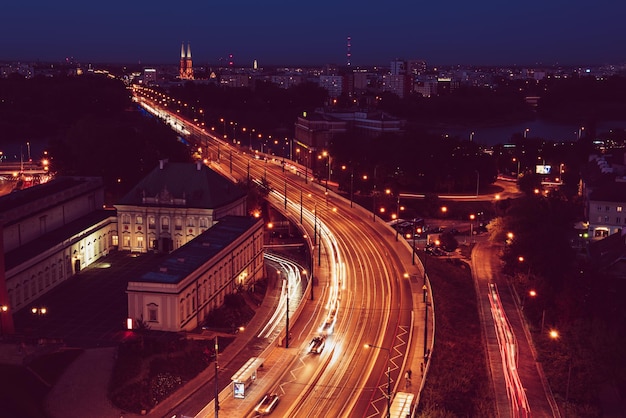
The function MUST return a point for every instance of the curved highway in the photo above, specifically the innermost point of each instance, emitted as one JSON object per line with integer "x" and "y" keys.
{"x": 363, "y": 293}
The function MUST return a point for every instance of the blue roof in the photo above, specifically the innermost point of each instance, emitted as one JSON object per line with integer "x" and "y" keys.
{"x": 188, "y": 258}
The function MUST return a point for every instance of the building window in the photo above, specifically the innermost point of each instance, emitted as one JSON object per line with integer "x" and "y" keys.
{"x": 153, "y": 312}
{"x": 140, "y": 242}
{"x": 151, "y": 222}
{"x": 601, "y": 233}
{"x": 178, "y": 224}
{"x": 606, "y": 219}
{"x": 139, "y": 219}
{"x": 619, "y": 208}
{"x": 127, "y": 241}
{"x": 126, "y": 219}
{"x": 599, "y": 208}
{"x": 165, "y": 223}
{"x": 607, "y": 208}
{"x": 115, "y": 240}
{"x": 204, "y": 223}
{"x": 191, "y": 222}
{"x": 618, "y": 220}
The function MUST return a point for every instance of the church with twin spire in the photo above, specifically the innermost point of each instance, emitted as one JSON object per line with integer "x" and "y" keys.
{"x": 185, "y": 71}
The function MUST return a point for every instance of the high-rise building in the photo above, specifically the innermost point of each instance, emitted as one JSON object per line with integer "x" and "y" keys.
{"x": 185, "y": 71}
{"x": 149, "y": 76}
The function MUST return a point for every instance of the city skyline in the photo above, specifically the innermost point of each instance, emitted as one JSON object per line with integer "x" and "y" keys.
{"x": 279, "y": 33}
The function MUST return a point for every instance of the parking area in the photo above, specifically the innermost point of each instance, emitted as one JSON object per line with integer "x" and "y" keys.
{"x": 90, "y": 309}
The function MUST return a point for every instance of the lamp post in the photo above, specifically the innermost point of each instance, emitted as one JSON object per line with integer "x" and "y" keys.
{"x": 388, "y": 376}
{"x": 234, "y": 124}
{"x": 472, "y": 217}
{"x": 426, "y": 304}
{"x": 526, "y": 132}
{"x": 327, "y": 155}
{"x": 397, "y": 214}
{"x": 286, "y": 279}
{"x": 217, "y": 388}
{"x": 3, "y": 309}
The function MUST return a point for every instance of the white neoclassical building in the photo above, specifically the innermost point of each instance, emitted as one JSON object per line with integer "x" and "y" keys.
{"x": 195, "y": 278}
{"x": 49, "y": 232}
{"x": 173, "y": 204}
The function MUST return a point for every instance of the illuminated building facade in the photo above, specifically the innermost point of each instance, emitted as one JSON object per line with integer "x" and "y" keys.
{"x": 193, "y": 280}
{"x": 185, "y": 71}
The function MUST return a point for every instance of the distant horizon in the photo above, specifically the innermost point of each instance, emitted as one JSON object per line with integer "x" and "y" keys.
{"x": 199, "y": 63}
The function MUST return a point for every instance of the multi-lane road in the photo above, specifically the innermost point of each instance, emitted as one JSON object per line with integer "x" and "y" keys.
{"x": 365, "y": 294}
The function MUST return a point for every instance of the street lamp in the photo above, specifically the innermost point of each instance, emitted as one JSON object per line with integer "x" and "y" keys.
{"x": 526, "y": 132}
{"x": 388, "y": 376}
{"x": 472, "y": 217}
{"x": 286, "y": 279}
{"x": 3, "y": 309}
{"x": 217, "y": 388}
{"x": 327, "y": 155}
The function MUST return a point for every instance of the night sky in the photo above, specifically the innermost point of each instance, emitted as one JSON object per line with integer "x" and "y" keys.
{"x": 278, "y": 32}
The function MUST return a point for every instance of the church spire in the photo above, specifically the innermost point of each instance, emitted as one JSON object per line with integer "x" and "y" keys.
{"x": 182, "y": 50}
{"x": 188, "y": 51}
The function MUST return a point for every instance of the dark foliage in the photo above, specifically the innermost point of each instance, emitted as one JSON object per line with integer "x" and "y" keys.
{"x": 457, "y": 382}
{"x": 151, "y": 367}
{"x": 233, "y": 313}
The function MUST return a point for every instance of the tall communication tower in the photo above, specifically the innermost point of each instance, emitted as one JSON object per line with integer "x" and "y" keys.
{"x": 348, "y": 53}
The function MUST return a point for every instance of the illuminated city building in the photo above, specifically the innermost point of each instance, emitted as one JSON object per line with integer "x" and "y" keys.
{"x": 185, "y": 71}
{"x": 193, "y": 280}
{"x": 173, "y": 204}
{"x": 49, "y": 233}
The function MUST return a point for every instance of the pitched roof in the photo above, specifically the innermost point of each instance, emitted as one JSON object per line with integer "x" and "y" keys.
{"x": 192, "y": 185}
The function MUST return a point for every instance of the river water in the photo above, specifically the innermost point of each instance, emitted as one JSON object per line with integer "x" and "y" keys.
{"x": 536, "y": 129}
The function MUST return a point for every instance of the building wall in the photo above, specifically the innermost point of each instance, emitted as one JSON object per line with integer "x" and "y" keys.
{"x": 144, "y": 228}
{"x": 44, "y": 271}
{"x": 606, "y": 218}
{"x": 183, "y": 306}
{"x": 30, "y": 221}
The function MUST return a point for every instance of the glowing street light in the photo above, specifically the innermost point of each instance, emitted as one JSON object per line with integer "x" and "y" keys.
{"x": 388, "y": 376}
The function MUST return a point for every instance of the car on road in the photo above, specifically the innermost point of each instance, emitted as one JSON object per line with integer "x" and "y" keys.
{"x": 317, "y": 344}
{"x": 267, "y": 404}
{"x": 329, "y": 324}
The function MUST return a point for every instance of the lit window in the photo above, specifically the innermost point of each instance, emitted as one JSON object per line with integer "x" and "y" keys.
{"x": 165, "y": 223}
{"x": 619, "y": 208}
{"x": 153, "y": 312}
{"x": 139, "y": 219}
{"x": 151, "y": 222}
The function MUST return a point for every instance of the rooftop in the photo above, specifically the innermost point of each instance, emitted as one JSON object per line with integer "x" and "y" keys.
{"x": 182, "y": 262}
{"x": 192, "y": 185}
